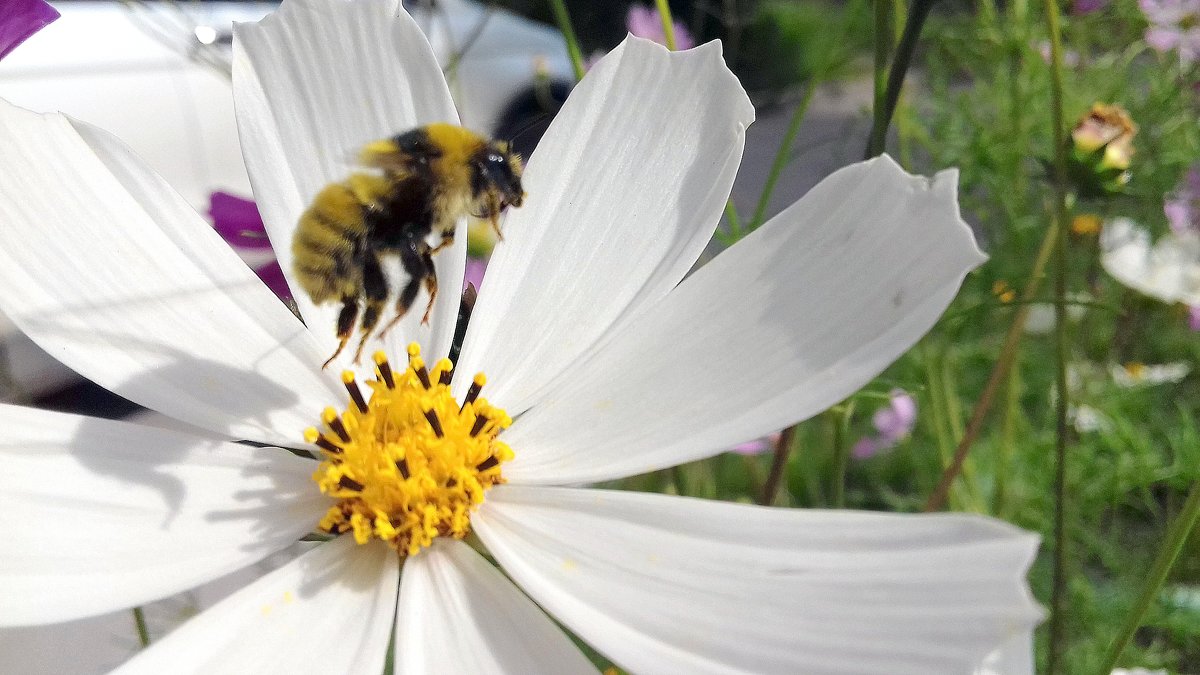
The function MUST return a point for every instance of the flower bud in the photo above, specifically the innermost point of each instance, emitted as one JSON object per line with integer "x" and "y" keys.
{"x": 1102, "y": 150}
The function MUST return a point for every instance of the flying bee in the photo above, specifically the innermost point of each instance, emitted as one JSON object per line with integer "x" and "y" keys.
{"x": 426, "y": 180}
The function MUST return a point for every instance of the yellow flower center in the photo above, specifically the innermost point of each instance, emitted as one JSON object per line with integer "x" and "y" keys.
{"x": 410, "y": 463}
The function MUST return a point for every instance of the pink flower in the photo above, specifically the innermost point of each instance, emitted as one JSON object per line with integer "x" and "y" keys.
{"x": 1084, "y": 7}
{"x": 646, "y": 22}
{"x": 238, "y": 222}
{"x": 1182, "y": 207}
{"x": 894, "y": 423}
{"x": 1194, "y": 317}
{"x": 1174, "y": 25}
{"x": 20, "y": 19}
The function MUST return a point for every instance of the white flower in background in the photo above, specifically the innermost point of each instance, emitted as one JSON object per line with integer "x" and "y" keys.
{"x": 610, "y": 363}
{"x": 1148, "y": 374}
{"x": 1168, "y": 270}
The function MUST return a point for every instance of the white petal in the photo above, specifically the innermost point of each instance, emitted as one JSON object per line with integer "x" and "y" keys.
{"x": 111, "y": 272}
{"x": 788, "y": 322}
{"x": 664, "y": 584}
{"x": 624, "y": 191}
{"x": 459, "y": 614}
{"x": 313, "y": 83}
{"x": 326, "y": 612}
{"x": 1169, "y": 270}
{"x": 107, "y": 515}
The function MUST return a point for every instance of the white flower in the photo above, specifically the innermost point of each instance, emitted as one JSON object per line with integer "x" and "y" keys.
{"x": 611, "y": 363}
{"x": 1169, "y": 270}
{"x": 1136, "y": 374}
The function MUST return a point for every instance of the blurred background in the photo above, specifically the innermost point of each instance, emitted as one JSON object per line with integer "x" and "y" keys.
{"x": 977, "y": 97}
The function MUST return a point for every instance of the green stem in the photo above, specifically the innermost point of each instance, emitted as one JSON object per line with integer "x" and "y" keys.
{"x": 139, "y": 620}
{"x": 883, "y": 49}
{"x": 735, "y": 222}
{"x": 563, "y": 19}
{"x": 841, "y": 452}
{"x": 1008, "y": 355}
{"x": 1059, "y": 584}
{"x": 664, "y": 11}
{"x": 781, "y": 156}
{"x": 900, "y": 63}
{"x": 1177, "y": 536}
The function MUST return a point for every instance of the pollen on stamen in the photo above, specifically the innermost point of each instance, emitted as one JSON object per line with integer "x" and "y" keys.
{"x": 409, "y": 463}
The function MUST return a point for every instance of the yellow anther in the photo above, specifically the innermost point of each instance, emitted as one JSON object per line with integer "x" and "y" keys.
{"x": 379, "y": 357}
{"x": 412, "y": 463}
{"x": 414, "y": 350}
{"x": 347, "y": 376}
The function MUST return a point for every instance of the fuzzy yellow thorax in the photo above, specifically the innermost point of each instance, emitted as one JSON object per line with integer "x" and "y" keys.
{"x": 409, "y": 463}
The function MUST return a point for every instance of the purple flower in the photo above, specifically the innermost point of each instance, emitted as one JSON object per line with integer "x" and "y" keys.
{"x": 238, "y": 222}
{"x": 893, "y": 423}
{"x": 1084, "y": 7}
{"x": 1174, "y": 25}
{"x": 756, "y": 446}
{"x": 20, "y": 19}
{"x": 1194, "y": 317}
{"x": 474, "y": 272}
{"x": 646, "y": 22}
{"x": 1182, "y": 207}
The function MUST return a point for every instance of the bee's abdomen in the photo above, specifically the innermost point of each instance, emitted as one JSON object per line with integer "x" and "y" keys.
{"x": 327, "y": 238}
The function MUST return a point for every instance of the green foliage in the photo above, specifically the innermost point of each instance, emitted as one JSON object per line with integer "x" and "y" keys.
{"x": 980, "y": 101}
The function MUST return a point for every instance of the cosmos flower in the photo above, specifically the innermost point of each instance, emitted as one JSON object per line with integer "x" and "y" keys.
{"x": 20, "y": 19}
{"x": 238, "y": 222}
{"x": 1168, "y": 269}
{"x": 646, "y": 22}
{"x": 893, "y": 423}
{"x": 1182, "y": 207}
{"x": 1174, "y": 26}
{"x": 602, "y": 362}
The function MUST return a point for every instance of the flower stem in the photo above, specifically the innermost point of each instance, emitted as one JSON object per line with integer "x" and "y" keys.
{"x": 1059, "y": 583}
{"x": 563, "y": 19}
{"x": 783, "y": 448}
{"x": 1177, "y": 536}
{"x": 139, "y": 620}
{"x": 900, "y": 63}
{"x": 664, "y": 11}
{"x": 1008, "y": 354}
{"x": 841, "y": 451}
{"x": 781, "y": 157}
{"x": 883, "y": 49}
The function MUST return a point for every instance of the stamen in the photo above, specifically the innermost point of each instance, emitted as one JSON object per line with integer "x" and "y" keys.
{"x": 391, "y": 478}
{"x": 311, "y": 435}
{"x": 355, "y": 392}
{"x": 385, "y": 369}
{"x": 334, "y": 422}
{"x": 435, "y": 423}
{"x": 473, "y": 392}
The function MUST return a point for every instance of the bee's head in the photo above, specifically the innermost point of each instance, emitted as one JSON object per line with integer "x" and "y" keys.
{"x": 497, "y": 169}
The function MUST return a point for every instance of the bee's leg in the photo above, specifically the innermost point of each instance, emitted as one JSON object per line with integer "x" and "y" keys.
{"x": 376, "y": 291}
{"x": 493, "y": 216}
{"x": 431, "y": 284}
{"x": 414, "y": 265}
{"x": 345, "y": 326}
{"x": 446, "y": 242}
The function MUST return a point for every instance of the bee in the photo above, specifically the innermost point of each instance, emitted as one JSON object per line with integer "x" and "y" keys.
{"x": 426, "y": 180}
